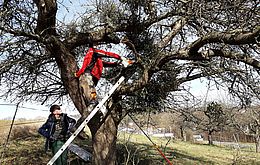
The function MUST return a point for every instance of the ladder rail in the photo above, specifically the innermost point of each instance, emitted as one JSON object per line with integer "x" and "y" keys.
{"x": 85, "y": 122}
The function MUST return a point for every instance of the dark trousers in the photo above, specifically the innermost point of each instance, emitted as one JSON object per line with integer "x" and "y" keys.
{"x": 62, "y": 160}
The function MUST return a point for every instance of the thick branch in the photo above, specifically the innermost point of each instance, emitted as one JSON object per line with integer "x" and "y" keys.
{"x": 47, "y": 10}
{"x": 138, "y": 84}
{"x": 22, "y": 33}
{"x": 86, "y": 38}
{"x": 232, "y": 39}
{"x": 178, "y": 25}
{"x": 206, "y": 55}
{"x": 192, "y": 77}
{"x": 231, "y": 55}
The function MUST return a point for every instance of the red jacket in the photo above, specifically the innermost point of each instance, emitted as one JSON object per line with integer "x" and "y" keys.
{"x": 93, "y": 62}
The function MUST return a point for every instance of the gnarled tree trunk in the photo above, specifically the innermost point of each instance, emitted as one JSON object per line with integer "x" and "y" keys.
{"x": 104, "y": 132}
{"x": 104, "y": 143}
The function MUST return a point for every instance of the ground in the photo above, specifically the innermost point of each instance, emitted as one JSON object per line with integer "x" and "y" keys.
{"x": 28, "y": 148}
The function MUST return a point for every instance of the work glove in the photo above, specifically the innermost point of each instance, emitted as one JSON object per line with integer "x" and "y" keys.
{"x": 125, "y": 62}
{"x": 75, "y": 75}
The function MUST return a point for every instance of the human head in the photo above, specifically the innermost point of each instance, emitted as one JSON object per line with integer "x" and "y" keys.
{"x": 54, "y": 107}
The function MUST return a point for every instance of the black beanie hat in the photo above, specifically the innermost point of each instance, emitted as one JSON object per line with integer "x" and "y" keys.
{"x": 53, "y": 107}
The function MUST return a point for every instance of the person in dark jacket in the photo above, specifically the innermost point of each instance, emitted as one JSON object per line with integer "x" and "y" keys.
{"x": 56, "y": 130}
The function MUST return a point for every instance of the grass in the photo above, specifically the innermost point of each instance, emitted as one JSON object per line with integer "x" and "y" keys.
{"x": 5, "y": 125}
{"x": 133, "y": 149}
{"x": 25, "y": 151}
{"x": 189, "y": 153}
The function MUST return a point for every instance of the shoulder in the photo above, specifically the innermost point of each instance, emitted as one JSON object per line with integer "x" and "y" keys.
{"x": 65, "y": 116}
{"x": 50, "y": 118}
{"x": 68, "y": 117}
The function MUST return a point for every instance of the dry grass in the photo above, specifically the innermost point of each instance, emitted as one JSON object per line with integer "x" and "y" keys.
{"x": 20, "y": 129}
{"x": 27, "y": 147}
{"x": 23, "y": 145}
{"x": 29, "y": 151}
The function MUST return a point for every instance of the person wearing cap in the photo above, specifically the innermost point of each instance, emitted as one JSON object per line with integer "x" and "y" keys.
{"x": 56, "y": 130}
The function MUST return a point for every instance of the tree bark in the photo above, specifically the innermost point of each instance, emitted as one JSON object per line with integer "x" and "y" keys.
{"x": 183, "y": 134}
{"x": 104, "y": 134}
{"x": 210, "y": 137}
{"x": 257, "y": 144}
{"x": 104, "y": 143}
{"x": 47, "y": 10}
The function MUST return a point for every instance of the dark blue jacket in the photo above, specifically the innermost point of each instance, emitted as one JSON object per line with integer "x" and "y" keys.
{"x": 48, "y": 128}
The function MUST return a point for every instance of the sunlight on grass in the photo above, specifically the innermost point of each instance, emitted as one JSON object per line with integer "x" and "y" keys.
{"x": 189, "y": 153}
{"x": 137, "y": 149}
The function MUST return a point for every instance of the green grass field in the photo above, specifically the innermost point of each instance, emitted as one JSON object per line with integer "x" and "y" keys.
{"x": 189, "y": 153}
{"x": 132, "y": 149}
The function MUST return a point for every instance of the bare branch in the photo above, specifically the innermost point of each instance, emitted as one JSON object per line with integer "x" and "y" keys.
{"x": 232, "y": 39}
{"x": 178, "y": 25}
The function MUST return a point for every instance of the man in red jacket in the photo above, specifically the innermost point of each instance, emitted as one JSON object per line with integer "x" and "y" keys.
{"x": 93, "y": 65}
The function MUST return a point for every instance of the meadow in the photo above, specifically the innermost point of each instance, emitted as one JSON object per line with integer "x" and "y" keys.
{"x": 26, "y": 147}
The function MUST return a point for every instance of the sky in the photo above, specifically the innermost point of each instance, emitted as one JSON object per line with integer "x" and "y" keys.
{"x": 29, "y": 110}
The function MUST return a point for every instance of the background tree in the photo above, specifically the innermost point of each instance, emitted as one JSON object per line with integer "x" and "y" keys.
{"x": 214, "y": 120}
{"x": 175, "y": 42}
{"x": 248, "y": 121}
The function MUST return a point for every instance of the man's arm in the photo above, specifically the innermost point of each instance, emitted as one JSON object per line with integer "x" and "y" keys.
{"x": 108, "y": 54}
{"x": 71, "y": 122}
{"x": 44, "y": 130}
{"x": 103, "y": 53}
{"x": 110, "y": 64}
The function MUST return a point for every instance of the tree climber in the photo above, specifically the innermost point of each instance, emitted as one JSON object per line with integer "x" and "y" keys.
{"x": 93, "y": 65}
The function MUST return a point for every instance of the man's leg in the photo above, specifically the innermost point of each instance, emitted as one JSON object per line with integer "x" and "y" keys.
{"x": 64, "y": 155}
{"x": 62, "y": 160}
{"x": 89, "y": 90}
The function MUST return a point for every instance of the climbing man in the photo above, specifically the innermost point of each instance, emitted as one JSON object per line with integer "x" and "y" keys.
{"x": 93, "y": 65}
{"x": 56, "y": 130}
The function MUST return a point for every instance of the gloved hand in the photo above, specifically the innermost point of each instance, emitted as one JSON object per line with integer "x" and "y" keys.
{"x": 125, "y": 62}
{"x": 75, "y": 75}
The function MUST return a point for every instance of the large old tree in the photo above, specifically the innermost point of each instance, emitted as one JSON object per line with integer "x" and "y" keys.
{"x": 173, "y": 42}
